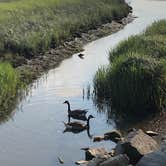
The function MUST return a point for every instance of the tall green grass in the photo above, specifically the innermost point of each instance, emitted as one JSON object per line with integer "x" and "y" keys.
{"x": 137, "y": 84}
{"x": 102, "y": 82}
{"x": 30, "y": 27}
{"x": 152, "y": 43}
{"x": 135, "y": 80}
{"x": 9, "y": 83}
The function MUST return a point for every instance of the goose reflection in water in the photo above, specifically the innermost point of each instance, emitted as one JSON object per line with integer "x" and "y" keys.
{"x": 77, "y": 127}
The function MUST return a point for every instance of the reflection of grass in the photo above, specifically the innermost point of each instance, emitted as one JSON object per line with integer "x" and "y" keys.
{"x": 136, "y": 78}
{"x": 29, "y": 27}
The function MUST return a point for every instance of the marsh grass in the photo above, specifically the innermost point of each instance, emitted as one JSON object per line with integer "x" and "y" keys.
{"x": 135, "y": 80}
{"x": 30, "y": 27}
{"x": 152, "y": 43}
{"x": 101, "y": 82}
{"x": 137, "y": 84}
{"x": 10, "y": 82}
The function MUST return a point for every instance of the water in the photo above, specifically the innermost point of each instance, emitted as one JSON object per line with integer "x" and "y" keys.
{"x": 34, "y": 135}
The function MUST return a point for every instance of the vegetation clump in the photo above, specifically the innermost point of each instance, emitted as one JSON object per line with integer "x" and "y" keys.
{"x": 135, "y": 80}
{"x": 10, "y": 82}
{"x": 138, "y": 83}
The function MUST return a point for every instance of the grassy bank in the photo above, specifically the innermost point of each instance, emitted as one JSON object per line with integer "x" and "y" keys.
{"x": 31, "y": 27}
{"x": 135, "y": 80}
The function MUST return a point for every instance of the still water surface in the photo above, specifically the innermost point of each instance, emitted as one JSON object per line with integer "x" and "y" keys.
{"x": 34, "y": 135}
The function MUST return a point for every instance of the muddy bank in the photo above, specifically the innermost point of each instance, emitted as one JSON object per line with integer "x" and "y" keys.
{"x": 33, "y": 68}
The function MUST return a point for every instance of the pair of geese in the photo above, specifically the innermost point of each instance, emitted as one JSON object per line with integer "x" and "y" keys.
{"x": 77, "y": 114}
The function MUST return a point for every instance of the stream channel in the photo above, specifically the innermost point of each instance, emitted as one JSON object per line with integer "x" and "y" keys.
{"x": 34, "y": 136}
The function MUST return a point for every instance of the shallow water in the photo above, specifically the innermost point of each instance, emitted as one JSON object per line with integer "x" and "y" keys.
{"x": 34, "y": 135}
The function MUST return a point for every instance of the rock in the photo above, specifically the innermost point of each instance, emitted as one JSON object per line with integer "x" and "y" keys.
{"x": 119, "y": 149}
{"x": 114, "y": 136}
{"x": 80, "y": 162}
{"x": 157, "y": 158}
{"x": 112, "y": 153}
{"x": 98, "y": 138}
{"x": 163, "y": 138}
{"x": 120, "y": 160}
{"x": 96, "y": 161}
{"x": 96, "y": 152}
{"x": 151, "y": 133}
{"x": 136, "y": 146}
{"x": 131, "y": 130}
{"x": 86, "y": 148}
{"x": 163, "y": 147}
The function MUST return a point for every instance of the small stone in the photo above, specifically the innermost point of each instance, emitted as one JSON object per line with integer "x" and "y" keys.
{"x": 113, "y": 136}
{"x": 96, "y": 161}
{"x": 80, "y": 162}
{"x": 151, "y": 133}
{"x": 98, "y": 138}
{"x": 96, "y": 152}
{"x": 112, "y": 153}
{"x": 157, "y": 158}
{"x": 120, "y": 160}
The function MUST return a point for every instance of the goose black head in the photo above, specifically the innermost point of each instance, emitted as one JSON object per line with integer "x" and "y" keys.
{"x": 66, "y": 102}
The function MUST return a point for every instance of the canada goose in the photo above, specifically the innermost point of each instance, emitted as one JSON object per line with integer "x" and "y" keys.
{"x": 78, "y": 126}
{"x": 76, "y": 114}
